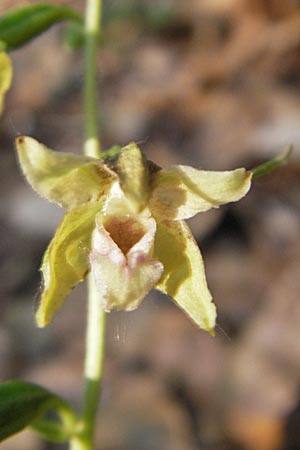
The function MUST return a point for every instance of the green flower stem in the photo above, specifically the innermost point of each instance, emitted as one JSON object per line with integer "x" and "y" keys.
{"x": 93, "y": 370}
{"x": 92, "y": 32}
{"x": 95, "y": 338}
{"x": 94, "y": 355}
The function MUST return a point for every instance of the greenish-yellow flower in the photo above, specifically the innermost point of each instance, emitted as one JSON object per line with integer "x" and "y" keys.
{"x": 125, "y": 224}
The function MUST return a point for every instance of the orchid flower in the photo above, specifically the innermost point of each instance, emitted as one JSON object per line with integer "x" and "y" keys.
{"x": 125, "y": 224}
{"x": 5, "y": 77}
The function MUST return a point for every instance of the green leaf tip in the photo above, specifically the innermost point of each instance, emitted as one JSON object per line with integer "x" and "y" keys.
{"x": 19, "y": 25}
{"x": 23, "y": 403}
{"x": 74, "y": 36}
{"x": 272, "y": 164}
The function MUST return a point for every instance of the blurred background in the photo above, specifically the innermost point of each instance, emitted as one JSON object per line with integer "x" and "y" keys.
{"x": 210, "y": 83}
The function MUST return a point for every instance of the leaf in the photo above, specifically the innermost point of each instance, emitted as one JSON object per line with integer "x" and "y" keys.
{"x": 132, "y": 169}
{"x": 180, "y": 192}
{"x": 22, "y": 403}
{"x": 183, "y": 278}
{"x": 5, "y": 76}
{"x": 66, "y": 261}
{"x": 74, "y": 36}
{"x": 64, "y": 178}
{"x": 19, "y": 25}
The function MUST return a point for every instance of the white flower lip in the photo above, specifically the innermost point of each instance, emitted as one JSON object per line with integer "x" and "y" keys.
{"x": 121, "y": 261}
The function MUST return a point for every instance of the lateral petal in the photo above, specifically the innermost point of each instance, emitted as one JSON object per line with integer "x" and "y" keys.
{"x": 180, "y": 192}
{"x": 64, "y": 178}
{"x": 66, "y": 260}
{"x": 183, "y": 278}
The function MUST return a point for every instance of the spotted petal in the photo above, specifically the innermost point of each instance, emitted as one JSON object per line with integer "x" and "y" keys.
{"x": 183, "y": 278}
{"x": 64, "y": 178}
{"x": 66, "y": 261}
{"x": 5, "y": 76}
{"x": 180, "y": 192}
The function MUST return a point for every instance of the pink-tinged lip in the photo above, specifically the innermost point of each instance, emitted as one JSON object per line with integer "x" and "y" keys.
{"x": 121, "y": 261}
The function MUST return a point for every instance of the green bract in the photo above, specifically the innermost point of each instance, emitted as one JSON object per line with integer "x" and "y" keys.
{"x": 125, "y": 226}
{"x": 5, "y": 77}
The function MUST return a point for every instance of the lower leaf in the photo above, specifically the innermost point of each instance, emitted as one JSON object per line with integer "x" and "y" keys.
{"x": 23, "y": 403}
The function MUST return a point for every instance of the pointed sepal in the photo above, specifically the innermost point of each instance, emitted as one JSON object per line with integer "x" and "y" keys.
{"x": 183, "y": 277}
{"x": 66, "y": 261}
{"x": 67, "y": 179}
